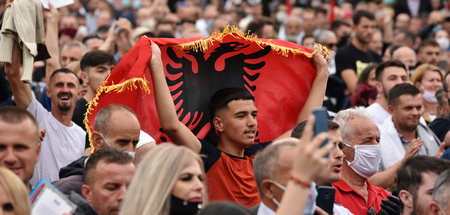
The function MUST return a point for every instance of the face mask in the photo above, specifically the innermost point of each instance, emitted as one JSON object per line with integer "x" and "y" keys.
{"x": 367, "y": 159}
{"x": 310, "y": 205}
{"x": 411, "y": 69}
{"x": 429, "y": 96}
{"x": 104, "y": 139}
{"x": 388, "y": 2}
{"x": 183, "y": 207}
{"x": 279, "y": 186}
{"x": 281, "y": 16}
{"x": 315, "y": 4}
{"x": 126, "y": 3}
{"x": 136, "y": 4}
{"x": 132, "y": 154}
{"x": 443, "y": 43}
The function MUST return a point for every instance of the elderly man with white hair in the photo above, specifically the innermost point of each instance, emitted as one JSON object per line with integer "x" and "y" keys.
{"x": 361, "y": 160}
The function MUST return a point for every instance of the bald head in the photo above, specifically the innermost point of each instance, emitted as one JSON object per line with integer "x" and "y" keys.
{"x": 406, "y": 55}
{"x": 117, "y": 126}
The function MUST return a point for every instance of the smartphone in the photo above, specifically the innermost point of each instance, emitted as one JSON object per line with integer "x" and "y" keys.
{"x": 325, "y": 198}
{"x": 321, "y": 124}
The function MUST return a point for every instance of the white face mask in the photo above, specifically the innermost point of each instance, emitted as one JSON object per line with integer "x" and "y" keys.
{"x": 367, "y": 159}
{"x": 281, "y": 16}
{"x": 429, "y": 96}
{"x": 443, "y": 43}
{"x": 310, "y": 205}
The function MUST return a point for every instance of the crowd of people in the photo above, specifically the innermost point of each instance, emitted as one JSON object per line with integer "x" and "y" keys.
{"x": 385, "y": 85}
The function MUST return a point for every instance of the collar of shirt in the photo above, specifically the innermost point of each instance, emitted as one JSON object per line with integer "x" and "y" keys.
{"x": 264, "y": 210}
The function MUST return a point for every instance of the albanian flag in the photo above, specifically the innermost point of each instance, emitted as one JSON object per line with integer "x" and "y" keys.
{"x": 278, "y": 73}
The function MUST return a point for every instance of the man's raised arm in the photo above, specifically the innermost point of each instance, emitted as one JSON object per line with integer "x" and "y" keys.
{"x": 167, "y": 115}
{"x": 21, "y": 91}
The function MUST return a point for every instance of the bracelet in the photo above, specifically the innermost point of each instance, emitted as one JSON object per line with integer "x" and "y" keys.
{"x": 299, "y": 181}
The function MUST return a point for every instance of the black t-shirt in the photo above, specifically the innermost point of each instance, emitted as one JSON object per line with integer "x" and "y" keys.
{"x": 213, "y": 154}
{"x": 78, "y": 113}
{"x": 78, "y": 116}
{"x": 349, "y": 57}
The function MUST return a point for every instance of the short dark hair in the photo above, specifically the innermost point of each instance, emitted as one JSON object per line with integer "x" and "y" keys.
{"x": 297, "y": 131}
{"x": 103, "y": 117}
{"x": 66, "y": 71}
{"x": 391, "y": 63}
{"x": 222, "y": 97}
{"x": 338, "y": 23}
{"x": 107, "y": 155}
{"x": 95, "y": 58}
{"x": 257, "y": 24}
{"x": 428, "y": 42}
{"x": 401, "y": 89}
{"x": 306, "y": 37}
{"x": 409, "y": 175}
{"x": 93, "y": 36}
{"x": 360, "y": 14}
{"x": 14, "y": 115}
{"x": 408, "y": 34}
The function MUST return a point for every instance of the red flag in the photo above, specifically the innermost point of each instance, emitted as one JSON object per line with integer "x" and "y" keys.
{"x": 332, "y": 5}
{"x": 278, "y": 73}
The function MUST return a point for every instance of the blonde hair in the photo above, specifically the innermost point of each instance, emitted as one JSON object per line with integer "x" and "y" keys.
{"x": 420, "y": 71}
{"x": 75, "y": 67}
{"x": 16, "y": 191}
{"x": 151, "y": 186}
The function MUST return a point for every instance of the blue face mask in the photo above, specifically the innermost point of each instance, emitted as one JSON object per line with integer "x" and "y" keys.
{"x": 310, "y": 208}
{"x": 126, "y": 3}
{"x": 388, "y": 2}
{"x": 136, "y": 4}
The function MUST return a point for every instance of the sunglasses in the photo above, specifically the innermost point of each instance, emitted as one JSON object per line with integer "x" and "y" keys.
{"x": 330, "y": 45}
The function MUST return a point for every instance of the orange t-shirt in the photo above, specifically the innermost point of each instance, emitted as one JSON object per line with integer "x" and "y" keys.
{"x": 230, "y": 178}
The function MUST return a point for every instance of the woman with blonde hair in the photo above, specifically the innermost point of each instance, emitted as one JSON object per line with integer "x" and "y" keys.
{"x": 13, "y": 194}
{"x": 169, "y": 180}
{"x": 428, "y": 79}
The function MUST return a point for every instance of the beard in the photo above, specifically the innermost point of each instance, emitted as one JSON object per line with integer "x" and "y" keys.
{"x": 385, "y": 92}
{"x": 362, "y": 40}
{"x": 418, "y": 210}
{"x": 64, "y": 108}
{"x": 407, "y": 127}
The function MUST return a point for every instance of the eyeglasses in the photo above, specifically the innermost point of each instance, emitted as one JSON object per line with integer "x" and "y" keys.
{"x": 371, "y": 211}
{"x": 330, "y": 45}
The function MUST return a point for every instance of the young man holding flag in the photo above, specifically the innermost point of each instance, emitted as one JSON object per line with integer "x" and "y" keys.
{"x": 228, "y": 163}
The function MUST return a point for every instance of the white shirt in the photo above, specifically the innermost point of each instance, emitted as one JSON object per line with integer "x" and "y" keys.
{"x": 393, "y": 150}
{"x": 337, "y": 209}
{"x": 340, "y": 210}
{"x": 378, "y": 113}
{"x": 61, "y": 144}
{"x": 264, "y": 210}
